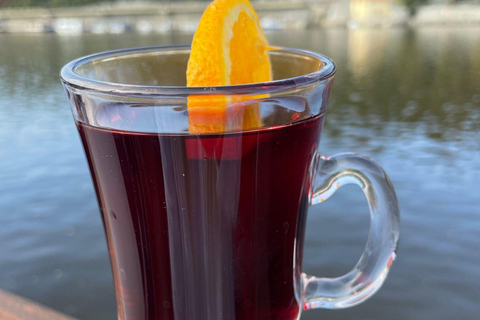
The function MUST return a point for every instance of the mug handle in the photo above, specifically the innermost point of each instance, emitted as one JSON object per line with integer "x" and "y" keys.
{"x": 372, "y": 268}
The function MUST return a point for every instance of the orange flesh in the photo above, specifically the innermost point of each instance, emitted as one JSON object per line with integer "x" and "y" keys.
{"x": 229, "y": 48}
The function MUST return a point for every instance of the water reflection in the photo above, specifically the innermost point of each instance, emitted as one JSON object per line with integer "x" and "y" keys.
{"x": 409, "y": 98}
{"x": 367, "y": 54}
{"x": 427, "y": 76}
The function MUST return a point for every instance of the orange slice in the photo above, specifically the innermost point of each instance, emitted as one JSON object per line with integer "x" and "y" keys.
{"x": 228, "y": 48}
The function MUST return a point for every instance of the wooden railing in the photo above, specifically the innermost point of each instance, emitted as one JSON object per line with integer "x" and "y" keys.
{"x": 13, "y": 307}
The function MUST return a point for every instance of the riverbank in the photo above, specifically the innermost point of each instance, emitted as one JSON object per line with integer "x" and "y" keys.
{"x": 159, "y": 17}
{"x": 147, "y": 17}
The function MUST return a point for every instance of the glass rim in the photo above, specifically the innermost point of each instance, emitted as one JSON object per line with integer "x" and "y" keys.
{"x": 71, "y": 78}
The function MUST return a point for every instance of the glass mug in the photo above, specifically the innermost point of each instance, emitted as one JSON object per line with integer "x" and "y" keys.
{"x": 205, "y": 225}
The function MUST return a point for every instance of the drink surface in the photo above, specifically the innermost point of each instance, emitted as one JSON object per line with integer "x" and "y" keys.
{"x": 204, "y": 226}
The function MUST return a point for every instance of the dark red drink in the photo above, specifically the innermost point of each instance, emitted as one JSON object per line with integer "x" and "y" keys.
{"x": 204, "y": 227}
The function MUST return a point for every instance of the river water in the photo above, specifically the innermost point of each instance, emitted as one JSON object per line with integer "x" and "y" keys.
{"x": 408, "y": 98}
